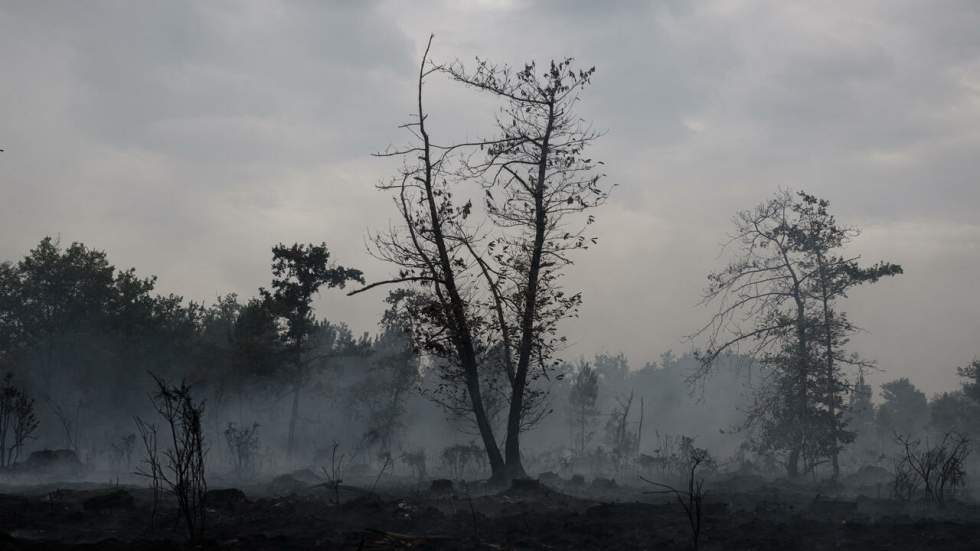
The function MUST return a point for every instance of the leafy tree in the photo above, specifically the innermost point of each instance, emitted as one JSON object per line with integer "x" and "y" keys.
{"x": 904, "y": 409}
{"x": 971, "y": 383}
{"x": 298, "y": 273}
{"x": 779, "y": 297}
{"x": 611, "y": 369}
{"x": 859, "y": 417}
{"x": 820, "y": 237}
{"x": 953, "y": 412}
{"x": 77, "y": 328}
{"x": 957, "y": 411}
{"x": 766, "y": 284}
{"x": 11, "y": 323}
{"x": 392, "y": 371}
{"x": 257, "y": 350}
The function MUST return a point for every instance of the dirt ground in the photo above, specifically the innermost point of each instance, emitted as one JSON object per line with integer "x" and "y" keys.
{"x": 293, "y": 513}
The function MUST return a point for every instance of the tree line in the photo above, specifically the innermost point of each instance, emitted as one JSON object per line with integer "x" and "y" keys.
{"x": 83, "y": 338}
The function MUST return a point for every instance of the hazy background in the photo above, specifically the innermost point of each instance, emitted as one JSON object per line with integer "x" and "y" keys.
{"x": 186, "y": 138}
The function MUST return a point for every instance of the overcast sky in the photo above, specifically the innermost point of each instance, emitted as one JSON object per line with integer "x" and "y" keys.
{"x": 186, "y": 138}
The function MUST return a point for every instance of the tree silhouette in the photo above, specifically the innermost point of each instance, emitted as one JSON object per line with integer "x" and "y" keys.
{"x": 299, "y": 271}
{"x": 779, "y": 298}
{"x": 486, "y": 299}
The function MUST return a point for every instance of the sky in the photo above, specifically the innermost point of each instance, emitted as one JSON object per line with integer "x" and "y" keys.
{"x": 187, "y": 138}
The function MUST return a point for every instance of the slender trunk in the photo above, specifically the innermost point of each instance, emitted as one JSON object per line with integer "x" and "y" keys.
{"x": 802, "y": 365}
{"x": 461, "y": 330}
{"x": 793, "y": 463}
{"x": 639, "y": 430}
{"x": 297, "y": 353}
{"x": 802, "y": 396}
{"x": 829, "y": 352}
{"x": 4, "y": 421}
{"x": 513, "y": 444}
{"x": 293, "y": 418}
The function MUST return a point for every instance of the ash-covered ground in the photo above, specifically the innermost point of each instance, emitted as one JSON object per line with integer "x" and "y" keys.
{"x": 304, "y": 510}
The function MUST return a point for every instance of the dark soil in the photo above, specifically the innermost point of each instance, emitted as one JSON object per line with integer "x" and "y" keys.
{"x": 530, "y": 516}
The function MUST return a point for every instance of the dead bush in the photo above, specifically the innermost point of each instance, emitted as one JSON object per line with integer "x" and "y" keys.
{"x": 935, "y": 469}
{"x": 183, "y": 468}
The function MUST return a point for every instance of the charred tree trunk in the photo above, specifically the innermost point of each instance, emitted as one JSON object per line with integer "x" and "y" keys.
{"x": 515, "y": 469}
{"x": 461, "y": 329}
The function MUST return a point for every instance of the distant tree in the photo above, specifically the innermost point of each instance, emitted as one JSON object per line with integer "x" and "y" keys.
{"x": 74, "y": 328}
{"x": 612, "y": 370}
{"x": 215, "y": 368}
{"x": 971, "y": 383}
{"x": 11, "y": 324}
{"x": 18, "y": 422}
{"x": 820, "y": 237}
{"x": 243, "y": 445}
{"x": 257, "y": 350}
{"x": 860, "y": 408}
{"x": 861, "y": 411}
{"x": 298, "y": 273}
{"x": 582, "y": 410}
{"x": 904, "y": 409}
{"x": 954, "y": 412}
{"x": 623, "y": 442}
{"x": 958, "y": 411}
{"x": 391, "y": 373}
{"x": 62, "y": 297}
{"x": 765, "y": 284}
{"x": 779, "y": 297}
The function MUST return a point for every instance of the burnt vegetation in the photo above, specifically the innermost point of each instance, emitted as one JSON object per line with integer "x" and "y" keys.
{"x": 462, "y": 422}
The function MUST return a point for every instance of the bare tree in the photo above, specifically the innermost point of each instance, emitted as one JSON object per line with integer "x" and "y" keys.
{"x": 243, "y": 444}
{"x": 184, "y": 470}
{"x": 939, "y": 468}
{"x": 624, "y": 443}
{"x": 150, "y": 468}
{"x": 335, "y": 474}
{"x": 486, "y": 301}
{"x": 439, "y": 313}
{"x": 69, "y": 422}
{"x": 537, "y": 180}
{"x": 691, "y": 498}
{"x": 18, "y": 421}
